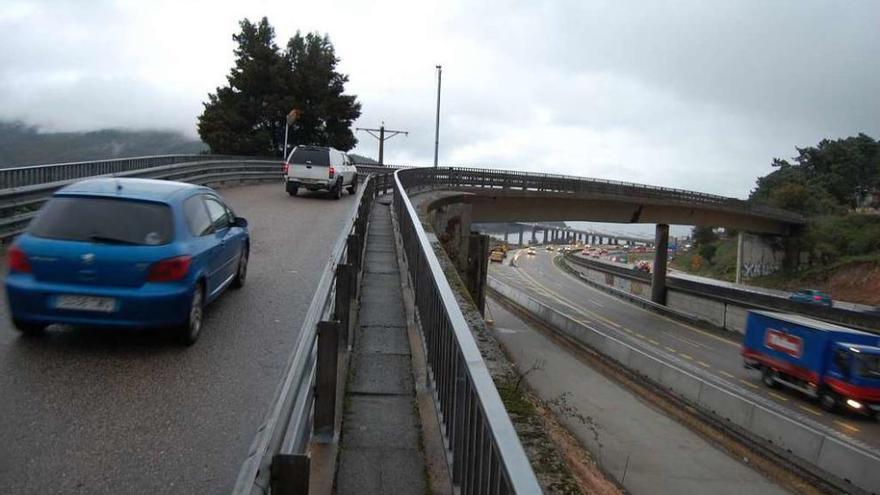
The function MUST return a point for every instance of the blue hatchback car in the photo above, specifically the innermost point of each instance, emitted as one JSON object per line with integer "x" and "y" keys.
{"x": 133, "y": 253}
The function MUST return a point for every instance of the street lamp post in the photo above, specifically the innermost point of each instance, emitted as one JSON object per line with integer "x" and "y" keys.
{"x": 437, "y": 123}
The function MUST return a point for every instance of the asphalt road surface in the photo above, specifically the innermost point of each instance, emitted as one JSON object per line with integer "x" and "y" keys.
{"x": 93, "y": 412}
{"x": 707, "y": 352}
{"x": 630, "y": 439}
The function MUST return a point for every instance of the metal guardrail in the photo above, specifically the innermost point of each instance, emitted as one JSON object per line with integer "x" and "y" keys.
{"x": 305, "y": 406}
{"x": 57, "y": 172}
{"x": 486, "y": 455}
{"x": 462, "y": 177}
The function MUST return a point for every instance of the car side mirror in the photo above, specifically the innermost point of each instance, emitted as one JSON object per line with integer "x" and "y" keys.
{"x": 240, "y": 222}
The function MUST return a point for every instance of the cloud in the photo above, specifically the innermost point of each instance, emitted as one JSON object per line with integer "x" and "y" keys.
{"x": 692, "y": 94}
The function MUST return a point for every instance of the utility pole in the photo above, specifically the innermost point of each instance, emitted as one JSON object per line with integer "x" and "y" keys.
{"x": 437, "y": 123}
{"x": 382, "y": 137}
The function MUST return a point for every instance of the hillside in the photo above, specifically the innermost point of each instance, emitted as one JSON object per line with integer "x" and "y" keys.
{"x": 26, "y": 145}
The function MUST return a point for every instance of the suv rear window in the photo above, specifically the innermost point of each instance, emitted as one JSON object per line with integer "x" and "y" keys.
{"x": 104, "y": 220}
{"x": 310, "y": 156}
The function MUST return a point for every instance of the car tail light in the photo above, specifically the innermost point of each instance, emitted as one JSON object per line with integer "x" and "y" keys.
{"x": 170, "y": 270}
{"x": 17, "y": 260}
{"x": 286, "y": 168}
{"x": 332, "y": 172}
{"x": 817, "y": 298}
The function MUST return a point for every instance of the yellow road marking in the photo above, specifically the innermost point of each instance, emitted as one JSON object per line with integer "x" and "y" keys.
{"x": 686, "y": 356}
{"x": 640, "y": 335}
{"x": 810, "y": 410}
{"x": 654, "y": 342}
{"x": 670, "y": 349}
{"x": 749, "y": 384}
{"x": 777, "y": 396}
{"x": 568, "y": 303}
{"x": 728, "y": 375}
{"x": 847, "y": 426}
{"x": 627, "y": 330}
{"x": 703, "y": 332}
{"x": 704, "y": 364}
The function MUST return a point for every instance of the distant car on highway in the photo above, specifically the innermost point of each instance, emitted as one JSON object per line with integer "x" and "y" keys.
{"x": 496, "y": 256}
{"x": 549, "y": 248}
{"x": 530, "y": 251}
{"x": 319, "y": 168}
{"x": 811, "y": 296}
{"x": 134, "y": 253}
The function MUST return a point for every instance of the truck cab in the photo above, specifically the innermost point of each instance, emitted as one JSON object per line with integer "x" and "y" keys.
{"x": 854, "y": 375}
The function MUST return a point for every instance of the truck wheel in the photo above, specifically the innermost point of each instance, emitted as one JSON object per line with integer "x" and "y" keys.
{"x": 354, "y": 185}
{"x": 337, "y": 190}
{"x": 829, "y": 400}
{"x": 769, "y": 378}
{"x": 291, "y": 189}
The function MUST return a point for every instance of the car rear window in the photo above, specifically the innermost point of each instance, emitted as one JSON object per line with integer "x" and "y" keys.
{"x": 104, "y": 220}
{"x": 310, "y": 156}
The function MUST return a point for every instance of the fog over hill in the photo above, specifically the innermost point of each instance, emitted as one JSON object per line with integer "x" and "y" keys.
{"x": 21, "y": 144}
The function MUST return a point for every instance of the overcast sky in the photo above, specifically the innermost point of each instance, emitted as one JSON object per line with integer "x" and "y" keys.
{"x": 697, "y": 95}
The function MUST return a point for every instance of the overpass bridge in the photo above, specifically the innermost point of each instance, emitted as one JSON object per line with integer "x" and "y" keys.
{"x": 254, "y": 339}
{"x": 555, "y": 233}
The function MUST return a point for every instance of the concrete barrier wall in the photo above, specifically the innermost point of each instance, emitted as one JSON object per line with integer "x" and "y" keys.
{"x": 721, "y": 314}
{"x": 702, "y": 308}
{"x": 809, "y": 443}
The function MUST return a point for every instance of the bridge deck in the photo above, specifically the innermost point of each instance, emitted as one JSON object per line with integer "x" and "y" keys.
{"x": 379, "y": 449}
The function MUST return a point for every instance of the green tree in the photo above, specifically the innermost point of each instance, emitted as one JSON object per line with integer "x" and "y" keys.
{"x": 831, "y": 177}
{"x": 248, "y": 116}
{"x": 316, "y": 88}
{"x": 704, "y": 235}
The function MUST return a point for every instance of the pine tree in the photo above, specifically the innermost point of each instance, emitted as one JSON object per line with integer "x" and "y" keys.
{"x": 248, "y": 116}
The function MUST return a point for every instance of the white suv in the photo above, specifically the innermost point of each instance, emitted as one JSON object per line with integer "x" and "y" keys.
{"x": 319, "y": 167}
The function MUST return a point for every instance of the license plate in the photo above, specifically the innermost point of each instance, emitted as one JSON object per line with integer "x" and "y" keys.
{"x": 86, "y": 303}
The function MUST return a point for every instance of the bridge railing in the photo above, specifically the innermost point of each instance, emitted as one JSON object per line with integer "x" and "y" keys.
{"x": 304, "y": 410}
{"x": 486, "y": 455}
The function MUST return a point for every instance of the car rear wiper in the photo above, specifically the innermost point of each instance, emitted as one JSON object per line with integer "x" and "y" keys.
{"x": 109, "y": 240}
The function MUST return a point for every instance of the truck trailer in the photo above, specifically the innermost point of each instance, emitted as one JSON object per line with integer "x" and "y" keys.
{"x": 839, "y": 366}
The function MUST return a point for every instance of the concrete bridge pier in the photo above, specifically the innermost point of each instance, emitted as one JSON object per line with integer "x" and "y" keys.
{"x": 521, "y": 231}
{"x": 658, "y": 273}
{"x": 534, "y": 235}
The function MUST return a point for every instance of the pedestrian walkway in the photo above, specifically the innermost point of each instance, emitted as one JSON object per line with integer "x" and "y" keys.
{"x": 380, "y": 447}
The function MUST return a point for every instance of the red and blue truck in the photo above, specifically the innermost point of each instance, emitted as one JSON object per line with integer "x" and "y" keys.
{"x": 839, "y": 366}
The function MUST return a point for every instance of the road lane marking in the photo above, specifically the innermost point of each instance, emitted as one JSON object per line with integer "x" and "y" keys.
{"x": 703, "y": 332}
{"x": 670, "y": 349}
{"x": 686, "y": 356}
{"x": 570, "y": 303}
{"x": 749, "y": 384}
{"x": 654, "y": 342}
{"x": 641, "y": 336}
{"x": 810, "y": 410}
{"x": 704, "y": 364}
{"x": 848, "y": 427}
{"x": 728, "y": 375}
{"x": 777, "y": 396}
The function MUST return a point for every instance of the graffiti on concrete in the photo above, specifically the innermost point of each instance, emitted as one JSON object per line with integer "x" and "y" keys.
{"x": 762, "y": 255}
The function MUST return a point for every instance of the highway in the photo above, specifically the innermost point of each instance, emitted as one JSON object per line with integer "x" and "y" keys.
{"x": 703, "y": 351}
{"x": 624, "y": 433}
{"x": 95, "y": 412}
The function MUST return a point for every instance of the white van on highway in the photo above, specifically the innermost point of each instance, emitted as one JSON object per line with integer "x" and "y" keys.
{"x": 319, "y": 168}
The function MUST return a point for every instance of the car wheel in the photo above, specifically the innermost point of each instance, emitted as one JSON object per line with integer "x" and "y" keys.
{"x": 291, "y": 189}
{"x": 337, "y": 190}
{"x": 354, "y": 185}
{"x": 241, "y": 274}
{"x": 30, "y": 329}
{"x": 192, "y": 328}
{"x": 828, "y": 400}
{"x": 769, "y": 378}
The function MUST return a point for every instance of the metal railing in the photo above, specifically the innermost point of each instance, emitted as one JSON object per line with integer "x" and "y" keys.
{"x": 57, "y": 172}
{"x": 462, "y": 177}
{"x": 305, "y": 406}
{"x": 486, "y": 455}
{"x": 19, "y": 205}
